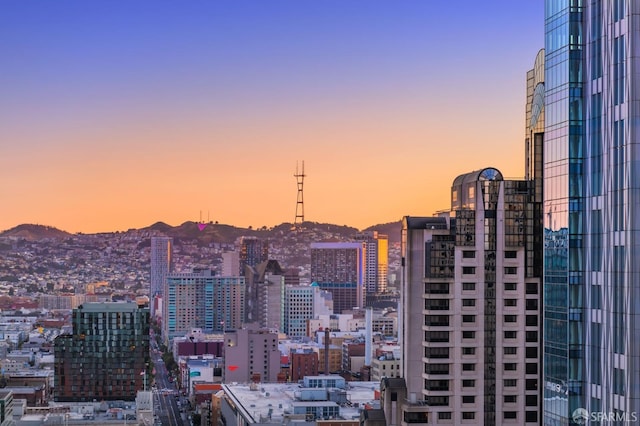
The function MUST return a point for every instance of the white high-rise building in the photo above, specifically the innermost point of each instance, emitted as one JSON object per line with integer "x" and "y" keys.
{"x": 469, "y": 312}
{"x": 302, "y": 303}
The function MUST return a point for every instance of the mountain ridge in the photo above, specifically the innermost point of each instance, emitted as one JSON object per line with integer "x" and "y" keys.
{"x": 207, "y": 232}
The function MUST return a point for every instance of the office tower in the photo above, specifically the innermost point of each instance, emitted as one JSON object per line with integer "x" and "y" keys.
{"x": 469, "y": 310}
{"x": 199, "y": 299}
{"x": 301, "y": 304}
{"x": 161, "y": 265}
{"x": 251, "y": 353}
{"x": 591, "y": 220}
{"x": 252, "y": 251}
{"x": 340, "y": 269}
{"x": 377, "y": 261}
{"x": 264, "y": 298}
{"x": 106, "y": 357}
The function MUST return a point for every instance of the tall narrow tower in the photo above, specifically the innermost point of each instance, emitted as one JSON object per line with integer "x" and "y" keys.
{"x": 591, "y": 222}
{"x": 300, "y": 202}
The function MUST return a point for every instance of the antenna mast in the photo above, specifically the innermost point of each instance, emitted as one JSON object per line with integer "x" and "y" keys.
{"x": 300, "y": 202}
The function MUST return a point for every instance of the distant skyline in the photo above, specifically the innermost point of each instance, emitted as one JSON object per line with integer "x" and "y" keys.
{"x": 117, "y": 115}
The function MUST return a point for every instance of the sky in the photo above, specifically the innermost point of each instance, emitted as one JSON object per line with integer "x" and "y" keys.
{"x": 119, "y": 114}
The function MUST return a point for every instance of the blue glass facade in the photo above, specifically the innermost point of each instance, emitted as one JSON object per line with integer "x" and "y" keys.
{"x": 591, "y": 200}
{"x": 563, "y": 211}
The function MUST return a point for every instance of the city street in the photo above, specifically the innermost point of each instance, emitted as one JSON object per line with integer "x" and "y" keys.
{"x": 166, "y": 396}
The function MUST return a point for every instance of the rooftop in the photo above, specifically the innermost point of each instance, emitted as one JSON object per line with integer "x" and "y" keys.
{"x": 278, "y": 399}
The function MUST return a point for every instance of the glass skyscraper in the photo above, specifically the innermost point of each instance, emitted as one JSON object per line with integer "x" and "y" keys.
{"x": 591, "y": 204}
{"x": 107, "y": 355}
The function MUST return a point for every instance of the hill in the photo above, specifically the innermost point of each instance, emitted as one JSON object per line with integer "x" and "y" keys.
{"x": 392, "y": 229}
{"x": 206, "y": 233}
{"x": 33, "y": 232}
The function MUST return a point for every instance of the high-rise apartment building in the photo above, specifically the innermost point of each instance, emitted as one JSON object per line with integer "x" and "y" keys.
{"x": 264, "y": 299}
{"x": 161, "y": 265}
{"x": 107, "y": 355}
{"x": 302, "y": 303}
{"x": 252, "y": 250}
{"x": 376, "y": 262}
{"x": 591, "y": 220}
{"x": 340, "y": 269}
{"x": 469, "y": 312}
{"x": 199, "y": 299}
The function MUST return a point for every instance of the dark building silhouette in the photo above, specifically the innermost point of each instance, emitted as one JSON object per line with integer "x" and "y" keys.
{"x": 252, "y": 251}
{"x": 264, "y": 295}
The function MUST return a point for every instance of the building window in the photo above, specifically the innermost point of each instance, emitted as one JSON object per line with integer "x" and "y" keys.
{"x": 468, "y": 351}
{"x": 510, "y": 366}
{"x": 531, "y": 384}
{"x": 436, "y": 304}
{"x": 468, "y": 334}
{"x": 468, "y": 254}
{"x": 510, "y": 399}
{"x": 510, "y": 334}
{"x": 416, "y": 417}
{"x": 532, "y": 288}
{"x": 468, "y": 383}
{"x": 468, "y": 415}
{"x": 618, "y": 70}
{"x": 510, "y": 350}
{"x": 510, "y": 286}
{"x": 532, "y": 368}
{"x": 444, "y": 415}
{"x": 436, "y": 288}
{"x": 468, "y": 270}
{"x": 436, "y": 336}
{"x": 510, "y": 254}
{"x": 468, "y": 367}
{"x": 510, "y": 302}
{"x": 618, "y": 381}
{"x": 469, "y": 286}
{"x": 435, "y": 352}
{"x": 510, "y": 270}
{"x": 468, "y": 318}
{"x": 468, "y": 302}
{"x": 510, "y": 415}
{"x": 510, "y": 318}
{"x": 468, "y": 399}
{"x": 510, "y": 383}
{"x": 531, "y": 400}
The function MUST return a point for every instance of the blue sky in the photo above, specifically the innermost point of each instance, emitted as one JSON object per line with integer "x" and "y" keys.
{"x": 118, "y": 107}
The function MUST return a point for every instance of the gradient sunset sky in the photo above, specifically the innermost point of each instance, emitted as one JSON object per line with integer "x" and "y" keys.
{"x": 119, "y": 114}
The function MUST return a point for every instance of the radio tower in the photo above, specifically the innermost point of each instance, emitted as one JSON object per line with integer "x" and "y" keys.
{"x": 300, "y": 204}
